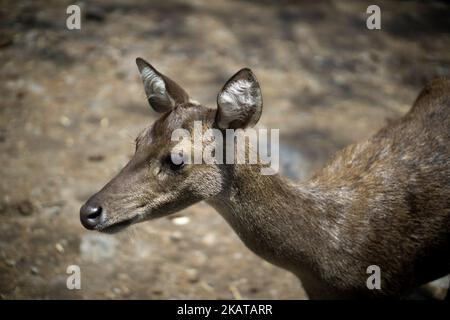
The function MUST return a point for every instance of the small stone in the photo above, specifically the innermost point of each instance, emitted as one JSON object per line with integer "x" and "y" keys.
{"x": 36, "y": 88}
{"x": 65, "y": 121}
{"x": 10, "y": 263}
{"x": 104, "y": 122}
{"x": 25, "y": 208}
{"x": 34, "y": 270}
{"x": 254, "y": 290}
{"x": 209, "y": 239}
{"x": 176, "y": 236}
{"x": 59, "y": 247}
{"x": 192, "y": 275}
{"x": 157, "y": 292}
{"x": 96, "y": 157}
{"x": 180, "y": 221}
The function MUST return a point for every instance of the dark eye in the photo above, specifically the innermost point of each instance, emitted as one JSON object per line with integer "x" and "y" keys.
{"x": 173, "y": 166}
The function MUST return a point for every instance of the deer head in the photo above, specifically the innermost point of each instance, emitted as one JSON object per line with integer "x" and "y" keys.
{"x": 152, "y": 184}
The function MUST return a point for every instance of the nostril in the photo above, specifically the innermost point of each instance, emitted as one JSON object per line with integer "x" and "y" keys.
{"x": 96, "y": 213}
{"x": 91, "y": 216}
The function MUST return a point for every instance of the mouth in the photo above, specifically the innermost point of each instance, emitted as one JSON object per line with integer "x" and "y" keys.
{"x": 118, "y": 226}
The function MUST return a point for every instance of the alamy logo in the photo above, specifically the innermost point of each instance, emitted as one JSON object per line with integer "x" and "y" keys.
{"x": 373, "y": 22}
{"x": 73, "y": 21}
{"x": 248, "y": 146}
{"x": 374, "y": 280}
{"x": 74, "y": 280}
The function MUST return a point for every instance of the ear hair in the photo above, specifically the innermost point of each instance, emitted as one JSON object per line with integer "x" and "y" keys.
{"x": 239, "y": 103}
{"x": 162, "y": 93}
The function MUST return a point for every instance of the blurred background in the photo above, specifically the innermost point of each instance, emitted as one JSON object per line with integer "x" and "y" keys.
{"x": 72, "y": 103}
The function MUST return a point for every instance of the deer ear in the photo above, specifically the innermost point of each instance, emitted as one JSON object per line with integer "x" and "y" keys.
{"x": 239, "y": 103}
{"x": 162, "y": 93}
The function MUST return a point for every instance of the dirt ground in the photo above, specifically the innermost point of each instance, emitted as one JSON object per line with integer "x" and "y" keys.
{"x": 72, "y": 103}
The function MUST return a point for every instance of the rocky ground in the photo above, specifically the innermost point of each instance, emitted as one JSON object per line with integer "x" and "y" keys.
{"x": 72, "y": 103}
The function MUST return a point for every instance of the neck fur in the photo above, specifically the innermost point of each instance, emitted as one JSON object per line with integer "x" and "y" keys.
{"x": 284, "y": 223}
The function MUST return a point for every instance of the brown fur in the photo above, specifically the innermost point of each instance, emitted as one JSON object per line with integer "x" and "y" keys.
{"x": 384, "y": 201}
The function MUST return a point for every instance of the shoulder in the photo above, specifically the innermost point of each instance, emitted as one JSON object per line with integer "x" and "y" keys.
{"x": 435, "y": 95}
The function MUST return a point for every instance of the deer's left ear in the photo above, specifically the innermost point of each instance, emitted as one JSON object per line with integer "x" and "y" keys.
{"x": 162, "y": 92}
{"x": 239, "y": 103}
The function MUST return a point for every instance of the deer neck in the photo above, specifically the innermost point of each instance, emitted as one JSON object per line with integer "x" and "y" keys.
{"x": 284, "y": 223}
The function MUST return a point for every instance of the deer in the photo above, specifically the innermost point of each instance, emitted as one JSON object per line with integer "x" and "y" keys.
{"x": 384, "y": 201}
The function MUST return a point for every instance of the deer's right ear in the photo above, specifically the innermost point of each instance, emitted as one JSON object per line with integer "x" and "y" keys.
{"x": 162, "y": 93}
{"x": 239, "y": 103}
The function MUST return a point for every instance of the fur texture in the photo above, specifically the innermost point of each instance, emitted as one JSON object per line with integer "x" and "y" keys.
{"x": 384, "y": 201}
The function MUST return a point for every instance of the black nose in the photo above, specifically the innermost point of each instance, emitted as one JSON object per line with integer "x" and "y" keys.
{"x": 90, "y": 216}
